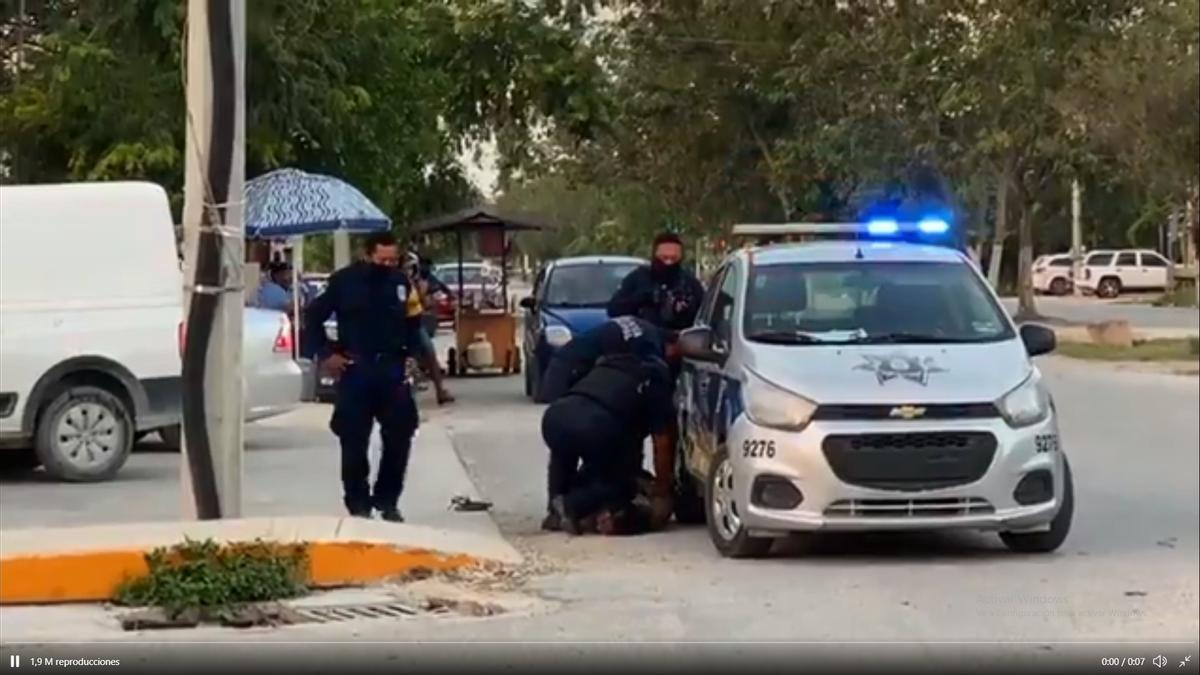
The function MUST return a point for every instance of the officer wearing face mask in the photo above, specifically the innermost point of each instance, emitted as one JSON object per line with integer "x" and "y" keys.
{"x": 669, "y": 297}
{"x": 664, "y": 293}
{"x": 369, "y": 299}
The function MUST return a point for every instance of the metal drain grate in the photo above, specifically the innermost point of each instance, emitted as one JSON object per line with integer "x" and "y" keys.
{"x": 335, "y": 613}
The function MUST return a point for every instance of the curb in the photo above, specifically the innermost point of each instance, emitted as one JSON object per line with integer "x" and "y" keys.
{"x": 40, "y": 567}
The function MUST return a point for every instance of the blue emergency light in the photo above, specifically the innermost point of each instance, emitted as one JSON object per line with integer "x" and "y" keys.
{"x": 882, "y": 227}
{"x": 933, "y": 226}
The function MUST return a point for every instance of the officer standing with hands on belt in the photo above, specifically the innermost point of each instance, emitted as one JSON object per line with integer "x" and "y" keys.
{"x": 369, "y": 298}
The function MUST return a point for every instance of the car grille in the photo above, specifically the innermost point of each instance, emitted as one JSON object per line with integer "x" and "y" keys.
{"x": 908, "y": 508}
{"x": 910, "y": 461}
{"x": 936, "y": 411}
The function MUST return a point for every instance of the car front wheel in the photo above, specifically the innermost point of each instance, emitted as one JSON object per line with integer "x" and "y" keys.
{"x": 1049, "y": 540}
{"x": 85, "y": 434}
{"x": 1109, "y": 287}
{"x": 725, "y": 526}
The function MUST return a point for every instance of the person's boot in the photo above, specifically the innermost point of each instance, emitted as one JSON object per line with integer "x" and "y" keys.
{"x": 552, "y": 523}
{"x": 444, "y": 397}
{"x": 391, "y": 515}
{"x": 566, "y": 521}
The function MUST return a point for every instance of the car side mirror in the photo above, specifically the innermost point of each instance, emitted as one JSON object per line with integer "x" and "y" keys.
{"x": 700, "y": 344}
{"x": 528, "y": 302}
{"x": 1038, "y": 340}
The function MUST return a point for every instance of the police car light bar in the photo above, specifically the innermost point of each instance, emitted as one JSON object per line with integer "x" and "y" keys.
{"x": 876, "y": 228}
{"x": 783, "y": 229}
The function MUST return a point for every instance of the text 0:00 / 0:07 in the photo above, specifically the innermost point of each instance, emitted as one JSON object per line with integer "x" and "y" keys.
{"x": 1121, "y": 661}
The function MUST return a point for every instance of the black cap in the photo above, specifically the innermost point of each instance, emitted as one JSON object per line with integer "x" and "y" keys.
{"x": 667, "y": 238}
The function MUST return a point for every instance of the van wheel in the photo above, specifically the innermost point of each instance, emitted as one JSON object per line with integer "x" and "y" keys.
{"x": 1060, "y": 527}
{"x": 1109, "y": 287}
{"x": 172, "y": 436}
{"x": 84, "y": 435}
{"x": 725, "y": 526}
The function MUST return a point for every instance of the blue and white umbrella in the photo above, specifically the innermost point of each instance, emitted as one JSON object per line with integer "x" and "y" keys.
{"x": 290, "y": 202}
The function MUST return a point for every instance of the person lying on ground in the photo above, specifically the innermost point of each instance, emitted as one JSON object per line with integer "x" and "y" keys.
{"x": 610, "y": 389}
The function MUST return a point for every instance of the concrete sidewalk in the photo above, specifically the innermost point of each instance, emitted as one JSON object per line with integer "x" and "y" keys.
{"x": 292, "y": 494}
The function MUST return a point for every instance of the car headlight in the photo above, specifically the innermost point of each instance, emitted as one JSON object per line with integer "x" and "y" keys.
{"x": 770, "y": 406}
{"x": 1026, "y": 405}
{"x": 557, "y": 336}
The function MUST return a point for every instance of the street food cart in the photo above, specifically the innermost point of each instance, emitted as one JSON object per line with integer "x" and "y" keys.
{"x": 485, "y": 335}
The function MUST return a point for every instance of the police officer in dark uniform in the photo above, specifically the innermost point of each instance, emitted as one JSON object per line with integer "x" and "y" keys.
{"x": 610, "y": 388}
{"x": 662, "y": 293}
{"x": 374, "y": 337}
{"x": 669, "y": 297}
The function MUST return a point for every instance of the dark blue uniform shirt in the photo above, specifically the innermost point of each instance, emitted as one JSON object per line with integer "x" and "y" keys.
{"x": 615, "y": 336}
{"x": 370, "y": 303}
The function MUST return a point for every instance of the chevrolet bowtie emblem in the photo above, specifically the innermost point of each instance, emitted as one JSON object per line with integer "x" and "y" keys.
{"x": 908, "y": 412}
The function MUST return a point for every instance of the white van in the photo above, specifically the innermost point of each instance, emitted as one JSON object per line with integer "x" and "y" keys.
{"x": 90, "y": 310}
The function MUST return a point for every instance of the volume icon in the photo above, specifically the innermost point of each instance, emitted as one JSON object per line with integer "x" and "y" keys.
{"x": 1159, "y": 661}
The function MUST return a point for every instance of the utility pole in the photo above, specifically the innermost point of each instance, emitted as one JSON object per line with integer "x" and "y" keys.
{"x": 1076, "y": 234}
{"x": 341, "y": 249}
{"x": 215, "y": 242}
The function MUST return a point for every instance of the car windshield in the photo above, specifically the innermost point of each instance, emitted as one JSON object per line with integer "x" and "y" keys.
{"x": 587, "y": 285}
{"x": 449, "y": 275}
{"x": 892, "y": 302}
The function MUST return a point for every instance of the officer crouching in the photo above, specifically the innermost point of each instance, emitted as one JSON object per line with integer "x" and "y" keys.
{"x": 610, "y": 389}
{"x": 369, "y": 299}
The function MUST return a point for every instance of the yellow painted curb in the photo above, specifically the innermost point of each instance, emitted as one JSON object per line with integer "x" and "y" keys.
{"x": 95, "y": 576}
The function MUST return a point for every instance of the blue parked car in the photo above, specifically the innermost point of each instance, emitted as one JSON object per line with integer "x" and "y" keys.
{"x": 569, "y": 297}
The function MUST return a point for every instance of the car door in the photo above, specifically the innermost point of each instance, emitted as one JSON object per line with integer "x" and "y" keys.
{"x": 533, "y": 327}
{"x": 707, "y": 383}
{"x": 1154, "y": 269}
{"x": 1126, "y": 267}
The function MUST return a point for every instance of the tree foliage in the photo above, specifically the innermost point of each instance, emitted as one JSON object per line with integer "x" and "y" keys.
{"x": 726, "y": 110}
{"x": 382, "y": 93}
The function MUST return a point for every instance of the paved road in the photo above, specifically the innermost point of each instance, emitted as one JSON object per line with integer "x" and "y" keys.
{"x": 1088, "y": 310}
{"x": 1128, "y": 572}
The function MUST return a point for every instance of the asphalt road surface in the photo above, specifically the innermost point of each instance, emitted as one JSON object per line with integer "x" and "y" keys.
{"x": 1091, "y": 310}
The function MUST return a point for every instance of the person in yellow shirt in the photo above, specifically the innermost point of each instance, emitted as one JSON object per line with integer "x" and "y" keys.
{"x": 415, "y": 312}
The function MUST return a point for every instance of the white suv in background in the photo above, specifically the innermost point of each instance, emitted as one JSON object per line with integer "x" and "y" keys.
{"x": 1107, "y": 274}
{"x": 1052, "y": 274}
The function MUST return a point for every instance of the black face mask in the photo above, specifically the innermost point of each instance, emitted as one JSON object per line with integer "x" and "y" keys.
{"x": 663, "y": 272}
{"x": 380, "y": 272}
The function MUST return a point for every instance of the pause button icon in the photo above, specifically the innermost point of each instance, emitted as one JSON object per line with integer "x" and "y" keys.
{"x": 14, "y": 661}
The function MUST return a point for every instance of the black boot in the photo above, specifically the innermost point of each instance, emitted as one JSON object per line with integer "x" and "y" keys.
{"x": 552, "y": 522}
{"x": 391, "y": 515}
{"x": 568, "y": 523}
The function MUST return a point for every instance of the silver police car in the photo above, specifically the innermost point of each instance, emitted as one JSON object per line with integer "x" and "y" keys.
{"x": 865, "y": 386}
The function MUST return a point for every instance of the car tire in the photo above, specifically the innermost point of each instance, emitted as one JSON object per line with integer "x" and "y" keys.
{"x": 1059, "y": 286}
{"x": 728, "y": 533}
{"x": 109, "y": 422}
{"x": 1108, "y": 288}
{"x": 172, "y": 436}
{"x": 1060, "y": 527}
{"x": 689, "y": 498}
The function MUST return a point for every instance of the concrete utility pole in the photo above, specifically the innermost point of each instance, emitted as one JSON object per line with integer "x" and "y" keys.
{"x": 1076, "y": 234}
{"x": 215, "y": 243}
{"x": 341, "y": 249}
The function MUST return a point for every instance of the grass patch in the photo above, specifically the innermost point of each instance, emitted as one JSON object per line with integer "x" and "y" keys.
{"x": 1148, "y": 350}
{"x": 212, "y": 579}
{"x": 1183, "y": 296}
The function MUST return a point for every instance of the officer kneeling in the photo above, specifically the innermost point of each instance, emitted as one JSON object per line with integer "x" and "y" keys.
{"x": 610, "y": 389}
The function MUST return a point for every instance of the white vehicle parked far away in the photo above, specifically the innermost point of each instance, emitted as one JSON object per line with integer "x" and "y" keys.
{"x": 1107, "y": 274}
